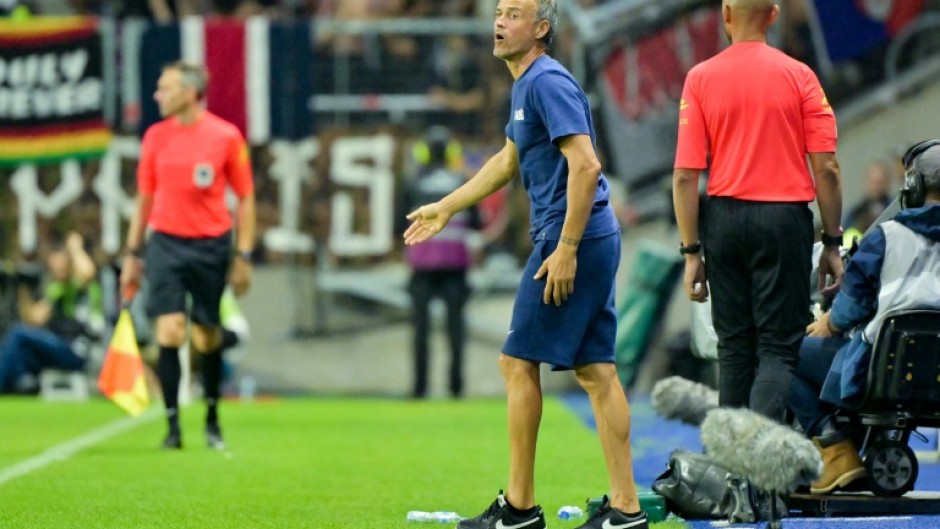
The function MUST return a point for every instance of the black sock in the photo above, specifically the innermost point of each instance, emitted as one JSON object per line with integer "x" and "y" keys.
{"x": 210, "y": 367}
{"x": 522, "y": 512}
{"x": 170, "y": 371}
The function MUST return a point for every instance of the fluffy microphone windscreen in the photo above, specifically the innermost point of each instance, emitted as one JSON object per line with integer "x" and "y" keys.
{"x": 771, "y": 456}
{"x": 681, "y": 399}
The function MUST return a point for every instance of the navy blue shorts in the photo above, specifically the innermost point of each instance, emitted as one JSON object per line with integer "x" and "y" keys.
{"x": 582, "y": 330}
{"x": 176, "y": 266}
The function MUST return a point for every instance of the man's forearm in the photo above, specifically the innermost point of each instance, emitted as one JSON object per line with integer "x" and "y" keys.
{"x": 828, "y": 191}
{"x": 829, "y": 198}
{"x": 135, "y": 232}
{"x": 245, "y": 241}
{"x": 495, "y": 174}
{"x": 582, "y": 185}
{"x": 686, "y": 203}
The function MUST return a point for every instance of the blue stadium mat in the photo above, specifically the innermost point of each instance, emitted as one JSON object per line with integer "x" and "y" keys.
{"x": 654, "y": 438}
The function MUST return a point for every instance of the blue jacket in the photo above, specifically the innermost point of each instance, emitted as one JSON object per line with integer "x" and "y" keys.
{"x": 857, "y": 303}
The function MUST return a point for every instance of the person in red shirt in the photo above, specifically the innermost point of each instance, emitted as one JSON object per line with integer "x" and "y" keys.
{"x": 751, "y": 115}
{"x": 186, "y": 163}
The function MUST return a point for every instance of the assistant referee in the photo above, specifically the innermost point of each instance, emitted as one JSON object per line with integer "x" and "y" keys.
{"x": 187, "y": 162}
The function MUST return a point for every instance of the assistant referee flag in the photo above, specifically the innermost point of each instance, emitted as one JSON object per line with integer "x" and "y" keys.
{"x": 122, "y": 376}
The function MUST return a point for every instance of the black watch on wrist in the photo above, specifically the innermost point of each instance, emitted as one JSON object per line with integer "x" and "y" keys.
{"x": 693, "y": 248}
{"x": 244, "y": 255}
{"x": 830, "y": 241}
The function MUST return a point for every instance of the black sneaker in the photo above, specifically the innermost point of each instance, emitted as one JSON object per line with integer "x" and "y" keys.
{"x": 214, "y": 437}
{"x": 607, "y": 517}
{"x": 501, "y": 515}
{"x": 173, "y": 441}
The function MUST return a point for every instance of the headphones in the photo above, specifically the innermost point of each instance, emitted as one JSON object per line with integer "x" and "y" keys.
{"x": 913, "y": 192}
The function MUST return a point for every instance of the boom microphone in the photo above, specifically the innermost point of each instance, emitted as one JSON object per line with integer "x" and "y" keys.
{"x": 771, "y": 456}
{"x": 681, "y": 399}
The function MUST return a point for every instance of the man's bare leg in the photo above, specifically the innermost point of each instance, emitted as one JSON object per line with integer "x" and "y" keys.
{"x": 612, "y": 414}
{"x": 524, "y": 404}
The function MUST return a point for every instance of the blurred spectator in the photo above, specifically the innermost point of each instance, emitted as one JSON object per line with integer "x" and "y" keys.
{"x": 422, "y": 8}
{"x": 18, "y": 8}
{"x": 457, "y": 84}
{"x": 62, "y": 7}
{"x": 403, "y": 57}
{"x": 56, "y": 328}
{"x": 897, "y": 161}
{"x": 795, "y": 32}
{"x": 362, "y": 53}
{"x": 439, "y": 266}
{"x": 878, "y": 196}
{"x": 163, "y": 11}
{"x": 248, "y": 8}
{"x": 349, "y": 10}
{"x": 462, "y": 8}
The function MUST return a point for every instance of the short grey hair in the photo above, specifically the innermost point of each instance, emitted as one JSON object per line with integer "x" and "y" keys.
{"x": 547, "y": 10}
{"x": 192, "y": 75}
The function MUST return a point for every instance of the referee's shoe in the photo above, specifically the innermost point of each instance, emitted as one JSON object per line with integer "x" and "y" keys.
{"x": 173, "y": 440}
{"x": 214, "y": 436}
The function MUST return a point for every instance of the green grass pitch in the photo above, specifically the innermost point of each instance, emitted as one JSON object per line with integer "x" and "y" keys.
{"x": 294, "y": 463}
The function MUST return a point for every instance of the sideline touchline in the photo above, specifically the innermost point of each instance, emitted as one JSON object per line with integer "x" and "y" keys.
{"x": 66, "y": 450}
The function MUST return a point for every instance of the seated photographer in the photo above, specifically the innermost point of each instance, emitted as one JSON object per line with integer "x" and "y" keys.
{"x": 53, "y": 326}
{"x": 896, "y": 267}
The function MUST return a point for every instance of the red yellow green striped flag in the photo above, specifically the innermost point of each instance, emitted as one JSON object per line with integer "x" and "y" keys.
{"x": 122, "y": 376}
{"x": 51, "y": 90}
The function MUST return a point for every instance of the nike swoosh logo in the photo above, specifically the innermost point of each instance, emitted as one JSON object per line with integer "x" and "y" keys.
{"x": 501, "y": 525}
{"x": 634, "y": 523}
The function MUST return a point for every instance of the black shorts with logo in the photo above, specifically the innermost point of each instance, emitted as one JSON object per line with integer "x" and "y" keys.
{"x": 176, "y": 266}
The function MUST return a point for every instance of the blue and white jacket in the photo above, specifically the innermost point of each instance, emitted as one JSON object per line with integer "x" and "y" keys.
{"x": 896, "y": 267}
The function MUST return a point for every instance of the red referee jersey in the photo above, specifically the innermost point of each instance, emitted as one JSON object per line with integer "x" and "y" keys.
{"x": 750, "y": 115}
{"x": 187, "y": 169}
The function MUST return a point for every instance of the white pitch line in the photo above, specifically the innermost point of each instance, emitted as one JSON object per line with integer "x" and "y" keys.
{"x": 724, "y": 524}
{"x": 66, "y": 450}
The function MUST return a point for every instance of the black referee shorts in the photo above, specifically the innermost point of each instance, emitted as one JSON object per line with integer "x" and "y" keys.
{"x": 176, "y": 266}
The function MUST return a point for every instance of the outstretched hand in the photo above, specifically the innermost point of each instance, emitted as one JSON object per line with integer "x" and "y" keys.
{"x": 427, "y": 221}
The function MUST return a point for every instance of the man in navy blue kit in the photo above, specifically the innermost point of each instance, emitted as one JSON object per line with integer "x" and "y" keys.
{"x": 562, "y": 318}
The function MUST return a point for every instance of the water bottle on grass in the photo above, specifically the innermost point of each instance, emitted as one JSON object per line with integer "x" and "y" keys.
{"x": 436, "y": 516}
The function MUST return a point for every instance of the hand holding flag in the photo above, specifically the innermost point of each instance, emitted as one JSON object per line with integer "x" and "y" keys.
{"x": 122, "y": 375}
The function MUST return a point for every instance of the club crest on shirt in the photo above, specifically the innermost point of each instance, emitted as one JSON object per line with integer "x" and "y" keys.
{"x": 520, "y": 114}
{"x": 203, "y": 175}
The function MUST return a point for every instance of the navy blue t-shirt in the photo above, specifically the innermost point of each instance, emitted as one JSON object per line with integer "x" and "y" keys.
{"x": 547, "y": 105}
